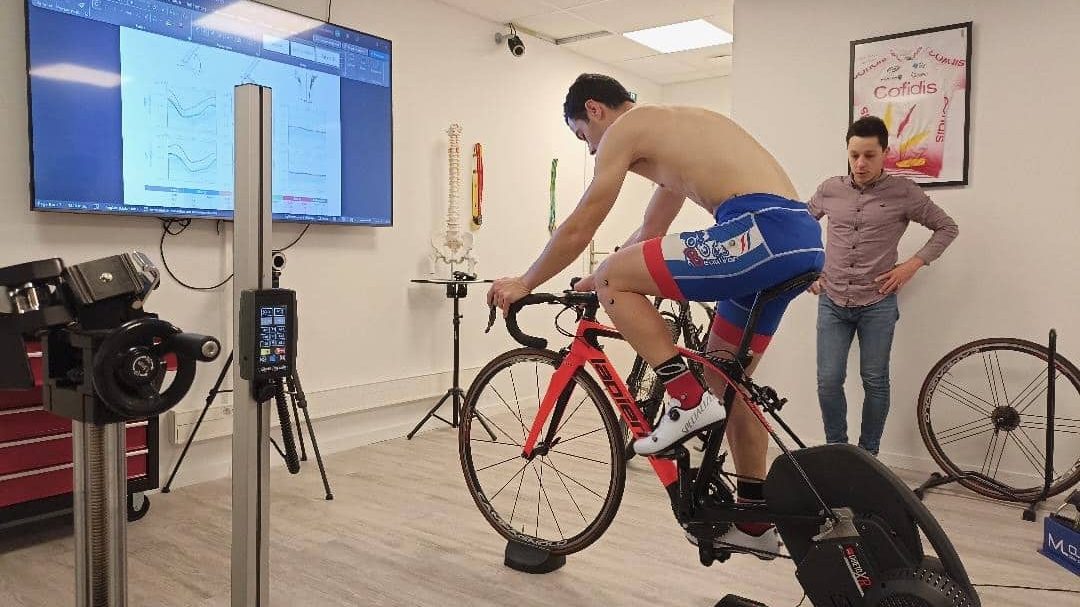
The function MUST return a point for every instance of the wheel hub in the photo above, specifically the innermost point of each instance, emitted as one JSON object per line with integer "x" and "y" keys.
{"x": 1005, "y": 418}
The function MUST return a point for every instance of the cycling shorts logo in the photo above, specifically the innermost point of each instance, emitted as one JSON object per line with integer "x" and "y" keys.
{"x": 702, "y": 250}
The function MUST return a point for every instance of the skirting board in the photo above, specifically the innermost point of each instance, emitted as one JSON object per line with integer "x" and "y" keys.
{"x": 322, "y": 403}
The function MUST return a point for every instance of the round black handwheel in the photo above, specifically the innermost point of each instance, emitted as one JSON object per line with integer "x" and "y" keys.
{"x": 129, "y": 367}
{"x": 137, "y": 506}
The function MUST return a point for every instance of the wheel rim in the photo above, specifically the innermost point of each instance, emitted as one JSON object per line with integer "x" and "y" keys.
{"x": 983, "y": 409}
{"x": 565, "y": 496}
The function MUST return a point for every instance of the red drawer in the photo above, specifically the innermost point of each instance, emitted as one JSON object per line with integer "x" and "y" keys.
{"x": 18, "y": 424}
{"x": 26, "y": 486}
{"x": 18, "y": 399}
{"x": 11, "y": 399}
{"x": 34, "y": 454}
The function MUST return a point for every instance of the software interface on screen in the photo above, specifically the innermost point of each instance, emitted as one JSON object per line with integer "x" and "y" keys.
{"x": 132, "y": 109}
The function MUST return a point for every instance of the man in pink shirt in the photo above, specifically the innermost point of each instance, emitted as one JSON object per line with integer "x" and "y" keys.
{"x": 868, "y": 210}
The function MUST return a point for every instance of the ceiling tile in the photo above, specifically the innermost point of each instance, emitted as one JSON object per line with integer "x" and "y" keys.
{"x": 659, "y": 68}
{"x": 703, "y": 57}
{"x": 569, "y": 3}
{"x": 629, "y": 15}
{"x": 557, "y": 25}
{"x": 610, "y": 49}
{"x": 501, "y": 11}
{"x": 724, "y": 20}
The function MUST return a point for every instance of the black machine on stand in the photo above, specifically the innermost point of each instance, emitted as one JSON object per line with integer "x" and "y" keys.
{"x": 1004, "y": 419}
{"x": 287, "y": 384}
{"x": 104, "y": 363}
{"x": 456, "y": 289}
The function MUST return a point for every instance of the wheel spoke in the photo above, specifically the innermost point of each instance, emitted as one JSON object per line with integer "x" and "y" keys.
{"x": 563, "y": 442}
{"x": 1028, "y": 455}
{"x": 518, "y": 416}
{"x": 1001, "y": 454}
{"x": 972, "y": 404}
{"x": 495, "y": 442}
{"x": 1023, "y": 393}
{"x": 489, "y": 466}
{"x": 1001, "y": 376}
{"x": 516, "y": 496}
{"x": 985, "y": 469}
{"x": 564, "y": 422}
{"x": 990, "y": 377}
{"x": 497, "y": 427}
{"x": 588, "y": 459}
{"x": 492, "y": 498}
{"x": 1035, "y": 447}
{"x": 540, "y": 478}
{"x": 959, "y": 429}
{"x": 572, "y": 479}
{"x": 989, "y": 427}
{"x": 571, "y": 495}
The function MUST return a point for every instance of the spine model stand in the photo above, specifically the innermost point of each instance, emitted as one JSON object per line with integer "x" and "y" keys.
{"x": 453, "y": 246}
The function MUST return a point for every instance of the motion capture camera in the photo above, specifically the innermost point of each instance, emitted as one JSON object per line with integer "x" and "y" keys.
{"x": 513, "y": 42}
{"x": 104, "y": 358}
{"x": 278, "y": 260}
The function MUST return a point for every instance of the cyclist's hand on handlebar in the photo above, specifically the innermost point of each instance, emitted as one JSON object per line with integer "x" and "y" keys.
{"x": 506, "y": 291}
{"x": 585, "y": 284}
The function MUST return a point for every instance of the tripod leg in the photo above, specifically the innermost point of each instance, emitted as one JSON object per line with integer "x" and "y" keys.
{"x": 318, "y": 456}
{"x": 457, "y": 405}
{"x": 429, "y": 415}
{"x": 209, "y": 401}
{"x": 300, "y": 400}
{"x": 296, "y": 416}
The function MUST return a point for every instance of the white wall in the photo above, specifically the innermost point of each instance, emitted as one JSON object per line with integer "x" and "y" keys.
{"x": 711, "y": 93}
{"x": 1012, "y": 271}
{"x": 364, "y": 324}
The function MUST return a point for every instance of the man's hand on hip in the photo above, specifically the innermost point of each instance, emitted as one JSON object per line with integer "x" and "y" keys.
{"x": 506, "y": 291}
{"x": 815, "y": 287}
{"x": 896, "y": 278}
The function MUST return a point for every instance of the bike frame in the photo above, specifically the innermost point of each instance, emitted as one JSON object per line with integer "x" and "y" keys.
{"x": 586, "y": 350}
{"x": 687, "y": 494}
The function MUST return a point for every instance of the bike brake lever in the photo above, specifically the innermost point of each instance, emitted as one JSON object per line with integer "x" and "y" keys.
{"x": 491, "y": 319}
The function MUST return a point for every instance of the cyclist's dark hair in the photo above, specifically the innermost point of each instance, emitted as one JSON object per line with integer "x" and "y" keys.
{"x": 869, "y": 126}
{"x": 598, "y": 87}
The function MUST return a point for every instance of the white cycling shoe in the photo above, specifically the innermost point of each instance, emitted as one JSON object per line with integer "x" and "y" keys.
{"x": 678, "y": 423}
{"x": 765, "y": 546}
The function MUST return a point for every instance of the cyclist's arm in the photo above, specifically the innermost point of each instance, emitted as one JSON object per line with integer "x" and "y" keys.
{"x": 663, "y": 207}
{"x": 613, "y": 158}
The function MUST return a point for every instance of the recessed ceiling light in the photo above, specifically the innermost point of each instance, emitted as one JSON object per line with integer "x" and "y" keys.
{"x": 683, "y": 36}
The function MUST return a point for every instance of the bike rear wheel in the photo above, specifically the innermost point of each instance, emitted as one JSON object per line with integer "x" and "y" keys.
{"x": 983, "y": 408}
{"x": 564, "y": 498}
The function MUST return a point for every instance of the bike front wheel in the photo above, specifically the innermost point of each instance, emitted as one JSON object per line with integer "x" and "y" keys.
{"x": 562, "y": 499}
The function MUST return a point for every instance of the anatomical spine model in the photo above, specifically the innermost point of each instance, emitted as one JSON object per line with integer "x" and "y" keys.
{"x": 454, "y": 245}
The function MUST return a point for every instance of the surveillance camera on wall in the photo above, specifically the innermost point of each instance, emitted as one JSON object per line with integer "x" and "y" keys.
{"x": 513, "y": 42}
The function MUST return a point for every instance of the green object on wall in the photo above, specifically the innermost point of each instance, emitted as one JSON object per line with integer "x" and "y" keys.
{"x": 551, "y": 195}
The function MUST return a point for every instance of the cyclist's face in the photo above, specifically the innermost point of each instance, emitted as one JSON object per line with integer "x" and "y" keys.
{"x": 591, "y": 129}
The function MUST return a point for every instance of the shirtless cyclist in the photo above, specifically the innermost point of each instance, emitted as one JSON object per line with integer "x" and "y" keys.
{"x": 761, "y": 237}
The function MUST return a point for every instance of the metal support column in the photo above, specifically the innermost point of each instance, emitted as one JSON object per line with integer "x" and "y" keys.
{"x": 251, "y": 423}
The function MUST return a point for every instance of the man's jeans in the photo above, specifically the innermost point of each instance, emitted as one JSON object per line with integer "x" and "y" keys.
{"x": 836, "y": 326}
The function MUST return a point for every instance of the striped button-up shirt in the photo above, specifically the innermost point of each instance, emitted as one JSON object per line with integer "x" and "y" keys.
{"x": 865, "y": 226}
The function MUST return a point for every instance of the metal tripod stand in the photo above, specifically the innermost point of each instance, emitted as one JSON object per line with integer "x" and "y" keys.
{"x": 292, "y": 388}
